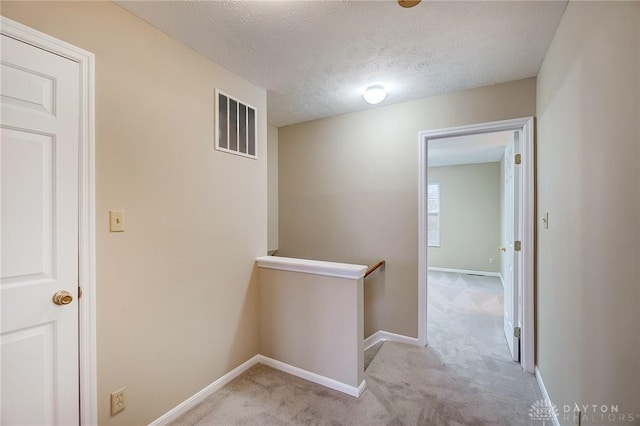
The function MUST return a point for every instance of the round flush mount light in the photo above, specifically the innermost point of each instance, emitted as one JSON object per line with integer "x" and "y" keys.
{"x": 374, "y": 94}
{"x": 408, "y": 3}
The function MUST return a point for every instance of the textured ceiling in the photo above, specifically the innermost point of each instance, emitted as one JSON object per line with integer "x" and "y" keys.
{"x": 315, "y": 57}
{"x": 472, "y": 149}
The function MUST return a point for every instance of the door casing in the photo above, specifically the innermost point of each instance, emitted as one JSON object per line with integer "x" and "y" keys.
{"x": 526, "y": 127}
{"x": 86, "y": 213}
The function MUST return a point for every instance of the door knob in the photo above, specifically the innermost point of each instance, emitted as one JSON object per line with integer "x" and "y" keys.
{"x": 62, "y": 297}
{"x": 502, "y": 248}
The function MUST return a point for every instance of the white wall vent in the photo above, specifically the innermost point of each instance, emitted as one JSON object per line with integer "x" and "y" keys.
{"x": 236, "y": 126}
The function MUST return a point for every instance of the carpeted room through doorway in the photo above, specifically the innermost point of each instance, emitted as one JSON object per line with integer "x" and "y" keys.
{"x": 464, "y": 377}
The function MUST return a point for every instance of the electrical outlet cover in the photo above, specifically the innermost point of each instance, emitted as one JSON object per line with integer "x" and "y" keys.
{"x": 118, "y": 402}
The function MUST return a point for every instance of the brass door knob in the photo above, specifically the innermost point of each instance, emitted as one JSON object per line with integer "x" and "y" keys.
{"x": 62, "y": 297}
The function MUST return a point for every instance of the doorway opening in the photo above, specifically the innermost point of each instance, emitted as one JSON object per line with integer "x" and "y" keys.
{"x": 476, "y": 236}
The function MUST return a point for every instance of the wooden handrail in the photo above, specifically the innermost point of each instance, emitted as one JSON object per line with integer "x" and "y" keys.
{"x": 374, "y": 267}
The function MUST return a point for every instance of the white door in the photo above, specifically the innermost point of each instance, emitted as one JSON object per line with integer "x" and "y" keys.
{"x": 509, "y": 256}
{"x": 39, "y": 148}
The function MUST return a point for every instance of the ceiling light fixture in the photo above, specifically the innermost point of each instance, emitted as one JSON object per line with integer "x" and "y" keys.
{"x": 408, "y": 3}
{"x": 374, "y": 94}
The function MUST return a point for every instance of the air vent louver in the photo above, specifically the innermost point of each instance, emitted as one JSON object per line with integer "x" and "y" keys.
{"x": 236, "y": 126}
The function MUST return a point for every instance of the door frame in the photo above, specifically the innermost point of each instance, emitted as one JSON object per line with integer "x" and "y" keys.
{"x": 87, "y": 364}
{"x": 527, "y": 188}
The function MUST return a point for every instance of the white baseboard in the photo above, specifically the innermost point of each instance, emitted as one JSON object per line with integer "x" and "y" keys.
{"x": 464, "y": 271}
{"x": 313, "y": 377}
{"x": 194, "y": 400}
{"x": 545, "y": 395}
{"x": 382, "y": 336}
{"x": 200, "y": 396}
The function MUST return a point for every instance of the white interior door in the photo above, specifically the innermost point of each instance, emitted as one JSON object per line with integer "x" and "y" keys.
{"x": 509, "y": 260}
{"x": 39, "y": 257}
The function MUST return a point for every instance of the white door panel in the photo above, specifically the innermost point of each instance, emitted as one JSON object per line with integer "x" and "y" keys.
{"x": 39, "y": 97}
{"x": 27, "y": 357}
{"x": 27, "y": 88}
{"x": 510, "y": 267}
{"x": 27, "y": 170}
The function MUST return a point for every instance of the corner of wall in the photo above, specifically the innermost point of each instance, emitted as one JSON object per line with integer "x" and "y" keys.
{"x": 272, "y": 188}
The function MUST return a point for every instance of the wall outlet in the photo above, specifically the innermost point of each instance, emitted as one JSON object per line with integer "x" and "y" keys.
{"x": 491, "y": 260}
{"x": 118, "y": 401}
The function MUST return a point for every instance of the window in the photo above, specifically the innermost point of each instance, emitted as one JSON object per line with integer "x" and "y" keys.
{"x": 433, "y": 215}
{"x": 236, "y": 126}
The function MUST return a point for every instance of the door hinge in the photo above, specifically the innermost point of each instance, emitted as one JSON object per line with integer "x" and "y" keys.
{"x": 516, "y": 332}
{"x": 518, "y": 159}
{"x": 79, "y": 292}
{"x": 517, "y": 245}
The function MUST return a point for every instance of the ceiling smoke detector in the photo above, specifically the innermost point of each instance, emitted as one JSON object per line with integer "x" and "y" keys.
{"x": 408, "y": 3}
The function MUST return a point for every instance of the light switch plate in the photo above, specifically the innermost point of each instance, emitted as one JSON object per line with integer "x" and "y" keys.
{"x": 116, "y": 220}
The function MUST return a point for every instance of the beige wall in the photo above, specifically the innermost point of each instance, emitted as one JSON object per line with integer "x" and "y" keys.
{"x": 469, "y": 217}
{"x": 177, "y": 305}
{"x": 272, "y": 187}
{"x": 313, "y": 322}
{"x": 589, "y": 181}
{"x": 349, "y": 189}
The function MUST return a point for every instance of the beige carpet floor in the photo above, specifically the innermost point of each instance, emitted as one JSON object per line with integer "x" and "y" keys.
{"x": 464, "y": 377}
